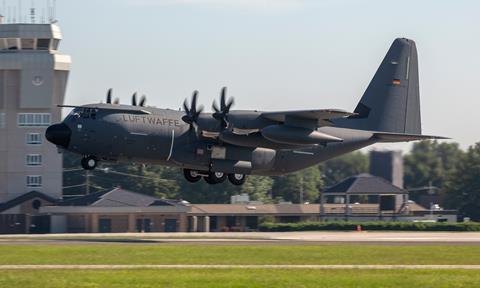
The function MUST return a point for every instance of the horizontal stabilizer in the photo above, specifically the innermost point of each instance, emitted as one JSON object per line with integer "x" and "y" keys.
{"x": 400, "y": 137}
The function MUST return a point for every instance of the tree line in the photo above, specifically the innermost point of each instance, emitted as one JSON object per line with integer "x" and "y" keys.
{"x": 454, "y": 172}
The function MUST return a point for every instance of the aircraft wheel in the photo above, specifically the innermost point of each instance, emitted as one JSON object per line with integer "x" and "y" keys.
{"x": 215, "y": 177}
{"x": 237, "y": 179}
{"x": 89, "y": 162}
{"x": 191, "y": 175}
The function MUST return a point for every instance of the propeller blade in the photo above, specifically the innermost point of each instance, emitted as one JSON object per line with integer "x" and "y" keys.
{"x": 185, "y": 106}
{"x": 230, "y": 103}
{"x": 223, "y": 95}
{"x": 215, "y": 107}
{"x": 134, "y": 99}
{"x": 143, "y": 100}
{"x": 109, "y": 96}
{"x": 193, "y": 106}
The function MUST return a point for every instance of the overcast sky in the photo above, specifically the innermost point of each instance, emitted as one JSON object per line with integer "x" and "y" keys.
{"x": 273, "y": 54}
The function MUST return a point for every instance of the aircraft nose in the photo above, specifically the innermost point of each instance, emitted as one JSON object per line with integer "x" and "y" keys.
{"x": 59, "y": 134}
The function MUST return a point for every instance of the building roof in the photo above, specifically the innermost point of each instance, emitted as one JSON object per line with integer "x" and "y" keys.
{"x": 365, "y": 184}
{"x": 239, "y": 209}
{"x": 118, "y": 197}
{"x": 25, "y": 197}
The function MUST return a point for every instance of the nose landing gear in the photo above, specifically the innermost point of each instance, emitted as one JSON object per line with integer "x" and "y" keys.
{"x": 89, "y": 162}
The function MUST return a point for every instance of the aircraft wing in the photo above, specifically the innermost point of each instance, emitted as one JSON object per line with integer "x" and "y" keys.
{"x": 323, "y": 116}
{"x": 111, "y": 108}
{"x": 396, "y": 137}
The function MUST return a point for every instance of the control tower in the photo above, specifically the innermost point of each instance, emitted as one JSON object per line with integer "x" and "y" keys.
{"x": 33, "y": 79}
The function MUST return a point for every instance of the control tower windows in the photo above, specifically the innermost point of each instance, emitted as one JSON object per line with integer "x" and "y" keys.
{"x": 55, "y": 43}
{"x": 34, "y": 181}
{"x": 34, "y": 138}
{"x": 28, "y": 44}
{"x": 43, "y": 44}
{"x": 33, "y": 119}
{"x": 34, "y": 160}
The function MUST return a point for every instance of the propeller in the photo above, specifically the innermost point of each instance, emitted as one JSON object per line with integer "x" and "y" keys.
{"x": 109, "y": 96}
{"x": 221, "y": 113}
{"x": 134, "y": 99}
{"x": 192, "y": 112}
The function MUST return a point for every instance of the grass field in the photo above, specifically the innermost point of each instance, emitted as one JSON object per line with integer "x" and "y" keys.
{"x": 240, "y": 278}
{"x": 238, "y": 254}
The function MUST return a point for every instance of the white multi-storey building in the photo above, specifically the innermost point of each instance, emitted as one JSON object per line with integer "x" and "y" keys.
{"x": 33, "y": 78}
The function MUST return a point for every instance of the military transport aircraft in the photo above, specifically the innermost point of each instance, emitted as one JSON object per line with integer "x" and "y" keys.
{"x": 234, "y": 143}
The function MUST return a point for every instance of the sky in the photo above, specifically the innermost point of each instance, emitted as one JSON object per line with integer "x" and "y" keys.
{"x": 273, "y": 54}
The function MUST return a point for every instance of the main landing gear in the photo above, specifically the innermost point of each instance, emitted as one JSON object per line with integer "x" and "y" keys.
{"x": 213, "y": 177}
{"x": 89, "y": 162}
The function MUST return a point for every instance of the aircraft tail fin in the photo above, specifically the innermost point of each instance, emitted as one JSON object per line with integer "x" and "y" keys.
{"x": 391, "y": 102}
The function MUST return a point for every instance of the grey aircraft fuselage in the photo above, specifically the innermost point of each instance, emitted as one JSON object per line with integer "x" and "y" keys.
{"x": 241, "y": 142}
{"x": 162, "y": 137}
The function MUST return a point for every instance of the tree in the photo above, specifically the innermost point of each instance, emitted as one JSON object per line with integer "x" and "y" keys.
{"x": 258, "y": 188}
{"x": 463, "y": 184}
{"x": 430, "y": 163}
{"x": 307, "y": 182}
{"x": 337, "y": 169}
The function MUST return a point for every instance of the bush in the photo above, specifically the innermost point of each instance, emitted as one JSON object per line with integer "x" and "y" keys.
{"x": 370, "y": 226}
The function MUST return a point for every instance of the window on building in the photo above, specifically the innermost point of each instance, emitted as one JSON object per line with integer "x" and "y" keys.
{"x": 55, "y": 44}
{"x": 34, "y": 138}
{"x": 28, "y": 44}
{"x": 43, "y": 44}
{"x": 34, "y": 181}
{"x": 33, "y": 119}
{"x": 34, "y": 160}
{"x": 12, "y": 43}
{"x": 2, "y": 120}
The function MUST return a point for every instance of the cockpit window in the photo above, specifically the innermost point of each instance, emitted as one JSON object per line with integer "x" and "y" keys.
{"x": 84, "y": 112}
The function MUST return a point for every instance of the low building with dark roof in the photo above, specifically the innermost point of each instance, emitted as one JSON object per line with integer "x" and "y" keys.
{"x": 366, "y": 197}
{"x": 118, "y": 210}
{"x": 21, "y": 214}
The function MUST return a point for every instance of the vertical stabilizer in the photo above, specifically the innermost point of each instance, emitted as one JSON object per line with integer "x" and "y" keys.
{"x": 391, "y": 102}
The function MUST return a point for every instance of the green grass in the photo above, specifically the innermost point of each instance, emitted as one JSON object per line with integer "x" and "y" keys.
{"x": 241, "y": 278}
{"x": 238, "y": 254}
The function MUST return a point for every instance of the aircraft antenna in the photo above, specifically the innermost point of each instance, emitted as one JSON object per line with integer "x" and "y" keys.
{"x": 32, "y": 13}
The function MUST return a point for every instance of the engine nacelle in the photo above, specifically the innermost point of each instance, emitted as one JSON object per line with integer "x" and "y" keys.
{"x": 296, "y": 135}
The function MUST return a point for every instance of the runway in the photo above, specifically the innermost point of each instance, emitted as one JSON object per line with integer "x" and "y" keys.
{"x": 245, "y": 238}
{"x": 266, "y": 266}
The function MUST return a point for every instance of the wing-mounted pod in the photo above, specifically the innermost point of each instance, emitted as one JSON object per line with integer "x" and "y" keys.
{"x": 296, "y": 135}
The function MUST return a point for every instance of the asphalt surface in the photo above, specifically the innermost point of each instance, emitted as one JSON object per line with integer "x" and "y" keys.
{"x": 239, "y": 238}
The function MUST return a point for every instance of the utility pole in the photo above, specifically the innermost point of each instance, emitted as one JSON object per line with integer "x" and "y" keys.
{"x": 301, "y": 190}
{"x": 87, "y": 182}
